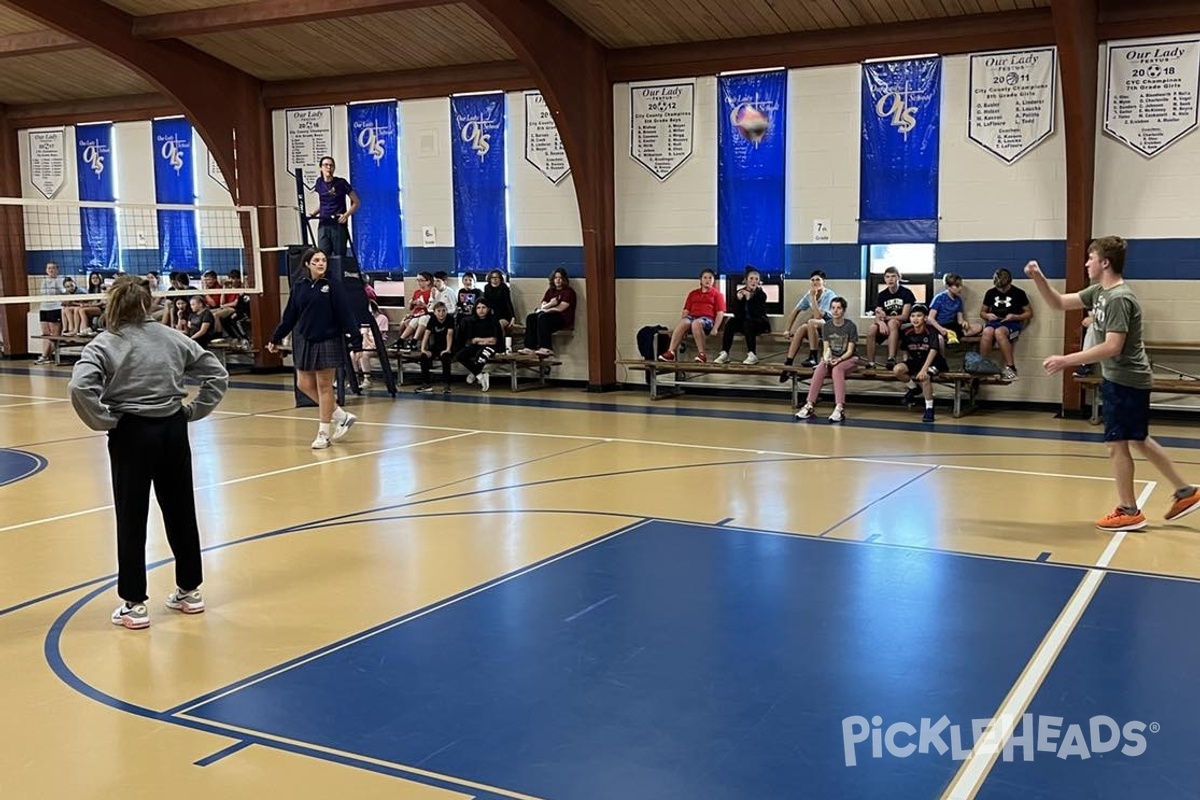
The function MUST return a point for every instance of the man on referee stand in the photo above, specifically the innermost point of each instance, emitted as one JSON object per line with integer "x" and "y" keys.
{"x": 333, "y": 230}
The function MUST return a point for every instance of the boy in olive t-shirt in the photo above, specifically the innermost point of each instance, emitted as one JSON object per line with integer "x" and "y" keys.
{"x": 1117, "y": 315}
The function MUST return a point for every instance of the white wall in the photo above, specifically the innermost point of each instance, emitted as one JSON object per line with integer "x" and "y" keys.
{"x": 1144, "y": 198}
{"x": 824, "y": 133}
{"x": 541, "y": 213}
{"x": 981, "y": 198}
{"x": 682, "y": 209}
{"x": 427, "y": 180}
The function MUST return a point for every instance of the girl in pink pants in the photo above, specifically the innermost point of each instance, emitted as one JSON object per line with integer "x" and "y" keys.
{"x": 840, "y": 336}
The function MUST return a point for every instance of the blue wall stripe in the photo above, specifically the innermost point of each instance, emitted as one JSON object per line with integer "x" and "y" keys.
{"x": 978, "y": 260}
{"x": 668, "y": 261}
{"x": 1149, "y": 259}
{"x": 538, "y": 262}
{"x": 837, "y": 261}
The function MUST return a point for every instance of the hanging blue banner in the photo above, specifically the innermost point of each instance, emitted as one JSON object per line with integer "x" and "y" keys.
{"x": 751, "y": 172}
{"x": 480, "y": 213}
{"x": 98, "y": 226}
{"x": 375, "y": 175}
{"x": 175, "y": 183}
{"x": 901, "y": 112}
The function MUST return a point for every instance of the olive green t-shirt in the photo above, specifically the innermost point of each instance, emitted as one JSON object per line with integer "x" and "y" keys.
{"x": 1118, "y": 310}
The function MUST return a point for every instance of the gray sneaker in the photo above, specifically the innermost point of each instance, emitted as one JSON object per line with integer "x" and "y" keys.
{"x": 1009, "y": 373}
{"x": 188, "y": 602}
{"x": 135, "y": 617}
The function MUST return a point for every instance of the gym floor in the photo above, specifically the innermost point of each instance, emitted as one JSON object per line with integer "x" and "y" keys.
{"x": 560, "y": 595}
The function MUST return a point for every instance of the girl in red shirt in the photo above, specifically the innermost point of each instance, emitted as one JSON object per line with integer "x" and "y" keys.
{"x": 703, "y": 312}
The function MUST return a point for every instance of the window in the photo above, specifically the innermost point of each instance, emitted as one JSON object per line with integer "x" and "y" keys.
{"x": 916, "y": 265}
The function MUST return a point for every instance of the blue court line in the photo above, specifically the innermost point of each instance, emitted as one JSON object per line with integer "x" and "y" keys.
{"x": 877, "y": 500}
{"x": 1043, "y": 557}
{"x": 725, "y": 521}
{"x": 717, "y": 413}
{"x": 220, "y": 754}
{"x": 508, "y": 467}
{"x": 39, "y": 464}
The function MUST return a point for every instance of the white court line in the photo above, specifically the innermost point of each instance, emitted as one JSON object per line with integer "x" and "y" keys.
{"x": 33, "y": 397}
{"x": 32, "y": 403}
{"x": 436, "y": 607}
{"x": 1106, "y": 478}
{"x": 717, "y": 448}
{"x": 978, "y": 765}
{"x": 233, "y": 481}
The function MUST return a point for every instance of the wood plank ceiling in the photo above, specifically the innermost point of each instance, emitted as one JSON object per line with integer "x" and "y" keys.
{"x": 445, "y": 33}
{"x": 69, "y": 75}
{"x": 397, "y": 40}
{"x": 636, "y": 23}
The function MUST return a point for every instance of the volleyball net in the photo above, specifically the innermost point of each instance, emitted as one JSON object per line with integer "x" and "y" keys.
{"x": 88, "y": 244}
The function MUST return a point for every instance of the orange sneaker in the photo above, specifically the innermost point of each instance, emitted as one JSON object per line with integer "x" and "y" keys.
{"x": 1183, "y": 507}
{"x": 1118, "y": 520}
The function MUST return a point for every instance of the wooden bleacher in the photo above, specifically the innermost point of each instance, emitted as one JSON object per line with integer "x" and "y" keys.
{"x": 1179, "y": 382}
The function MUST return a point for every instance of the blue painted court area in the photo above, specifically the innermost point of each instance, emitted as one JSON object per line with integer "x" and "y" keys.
{"x": 677, "y": 661}
{"x": 17, "y": 465}
{"x": 1133, "y": 659}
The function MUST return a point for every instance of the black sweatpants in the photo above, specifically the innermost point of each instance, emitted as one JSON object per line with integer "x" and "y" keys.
{"x": 540, "y": 329}
{"x": 427, "y": 365}
{"x": 751, "y": 327}
{"x": 475, "y": 356}
{"x": 145, "y": 451}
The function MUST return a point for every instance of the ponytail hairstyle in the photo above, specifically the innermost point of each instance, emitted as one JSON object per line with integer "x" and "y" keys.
{"x": 129, "y": 302}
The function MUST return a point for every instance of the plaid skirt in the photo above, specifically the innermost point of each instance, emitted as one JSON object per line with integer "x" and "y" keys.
{"x": 312, "y": 356}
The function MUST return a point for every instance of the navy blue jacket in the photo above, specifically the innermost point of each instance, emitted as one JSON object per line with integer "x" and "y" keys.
{"x": 318, "y": 312}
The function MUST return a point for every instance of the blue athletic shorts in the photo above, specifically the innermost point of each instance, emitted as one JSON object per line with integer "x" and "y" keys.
{"x": 1126, "y": 412}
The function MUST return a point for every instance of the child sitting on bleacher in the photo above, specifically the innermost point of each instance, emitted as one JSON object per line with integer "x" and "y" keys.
{"x": 418, "y": 311}
{"x": 923, "y": 359}
{"x": 201, "y": 325}
{"x": 749, "y": 317}
{"x": 703, "y": 311}
{"x": 482, "y": 339}
{"x": 362, "y": 358}
{"x": 437, "y": 342}
{"x": 946, "y": 312}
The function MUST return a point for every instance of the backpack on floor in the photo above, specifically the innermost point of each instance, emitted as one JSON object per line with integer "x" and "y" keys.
{"x": 652, "y": 341}
{"x": 976, "y": 364}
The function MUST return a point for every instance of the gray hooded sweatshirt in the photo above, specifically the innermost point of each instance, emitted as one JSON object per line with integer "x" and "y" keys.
{"x": 140, "y": 370}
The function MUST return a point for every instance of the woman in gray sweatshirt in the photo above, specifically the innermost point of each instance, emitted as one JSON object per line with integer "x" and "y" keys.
{"x": 129, "y": 381}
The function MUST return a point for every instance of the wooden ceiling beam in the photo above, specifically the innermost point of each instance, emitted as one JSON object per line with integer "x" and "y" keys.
{"x": 124, "y": 108}
{"x": 173, "y": 25}
{"x": 1147, "y": 18}
{"x": 402, "y": 85}
{"x": 571, "y": 71}
{"x": 217, "y": 98}
{"x": 947, "y": 36}
{"x": 35, "y": 42}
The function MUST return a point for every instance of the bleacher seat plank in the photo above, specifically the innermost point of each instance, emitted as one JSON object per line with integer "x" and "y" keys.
{"x": 965, "y": 385}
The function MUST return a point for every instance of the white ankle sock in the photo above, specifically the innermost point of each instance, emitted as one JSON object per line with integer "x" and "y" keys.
{"x": 323, "y": 428}
{"x": 339, "y": 414}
